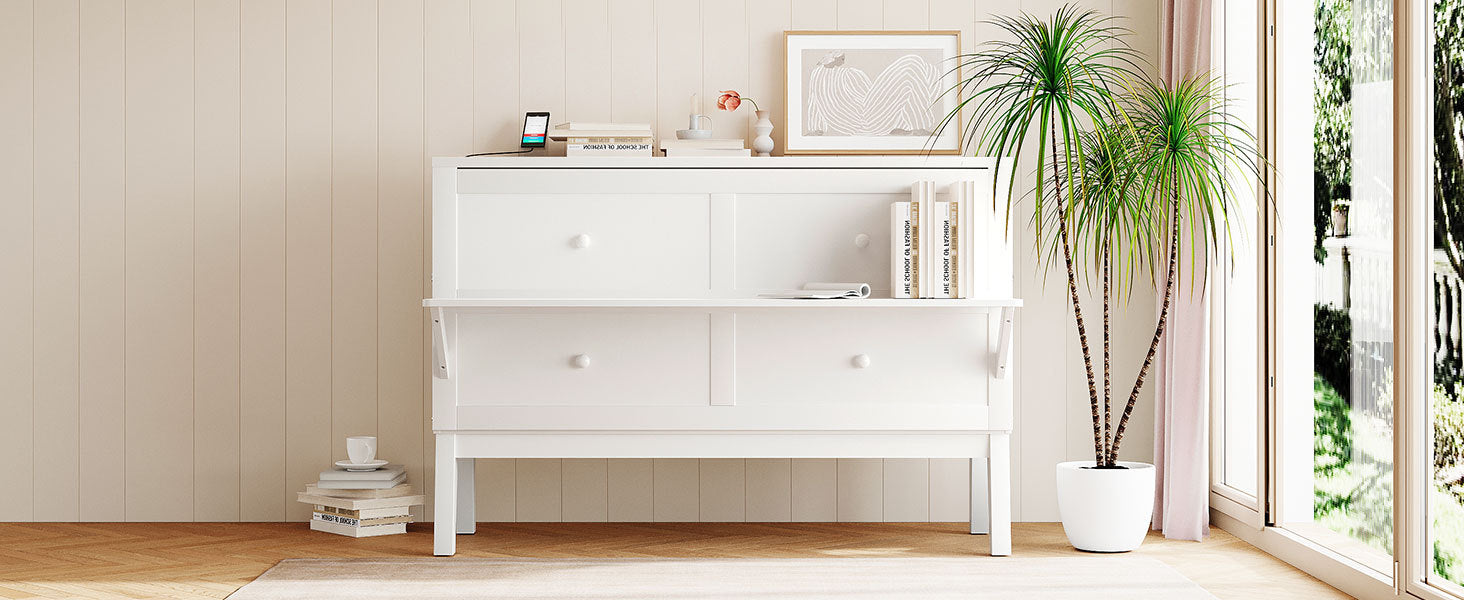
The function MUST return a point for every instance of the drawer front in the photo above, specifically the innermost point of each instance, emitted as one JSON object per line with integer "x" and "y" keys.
{"x": 872, "y": 362}
{"x": 579, "y": 359}
{"x": 786, "y": 240}
{"x": 570, "y": 244}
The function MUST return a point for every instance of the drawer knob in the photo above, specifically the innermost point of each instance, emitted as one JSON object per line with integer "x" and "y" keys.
{"x": 580, "y": 241}
{"x": 861, "y": 361}
{"x": 580, "y": 361}
{"x": 861, "y": 241}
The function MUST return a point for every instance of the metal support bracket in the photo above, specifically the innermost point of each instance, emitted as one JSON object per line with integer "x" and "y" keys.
{"x": 439, "y": 345}
{"x": 1004, "y": 341}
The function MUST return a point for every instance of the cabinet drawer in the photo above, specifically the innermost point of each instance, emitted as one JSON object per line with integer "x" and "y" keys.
{"x": 909, "y": 360}
{"x": 787, "y": 240}
{"x": 642, "y": 244}
{"x": 576, "y": 359}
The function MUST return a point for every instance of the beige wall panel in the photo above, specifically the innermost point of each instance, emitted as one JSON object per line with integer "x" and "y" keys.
{"x": 17, "y": 159}
{"x": 263, "y": 494}
{"x": 725, "y": 65}
{"x": 539, "y": 484}
{"x": 769, "y": 490}
{"x": 950, "y": 489}
{"x": 679, "y": 66}
{"x": 587, "y": 60}
{"x": 908, "y": 15}
{"x": 631, "y": 485}
{"x": 354, "y": 205}
{"x": 633, "y": 62}
{"x": 496, "y": 492}
{"x": 723, "y": 490}
{"x": 308, "y": 360}
{"x": 585, "y": 490}
{"x": 861, "y": 489}
{"x": 56, "y": 347}
{"x": 815, "y": 489}
{"x": 677, "y": 482}
{"x": 400, "y": 179}
{"x": 497, "y": 120}
{"x": 541, "y": 54}
{"x": 102, "y": 318}
{"x": 815, "y": 14}
{"x": 159, "y": 251}
{"x": 861, "y": 14}
{"x": 766, "y": 21}
{"x": 906, "y": 489}
{"x": 216, "y": 260}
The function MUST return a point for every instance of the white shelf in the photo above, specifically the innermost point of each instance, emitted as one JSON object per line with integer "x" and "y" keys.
{"x": 721, "y": 303}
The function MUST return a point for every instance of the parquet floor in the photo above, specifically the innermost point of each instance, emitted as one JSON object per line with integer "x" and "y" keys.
{"x": 211, "y": 560}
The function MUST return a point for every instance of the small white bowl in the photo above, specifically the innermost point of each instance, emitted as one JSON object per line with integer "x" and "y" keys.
{"x": 693, "y": 134}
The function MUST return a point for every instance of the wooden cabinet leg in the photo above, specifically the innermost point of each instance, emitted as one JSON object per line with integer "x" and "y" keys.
{"x": 999, "y": 493}
{"x": 444, "y": 524}
{"x": 467, "y": 520}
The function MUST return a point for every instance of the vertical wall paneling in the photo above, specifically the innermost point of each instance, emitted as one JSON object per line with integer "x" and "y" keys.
{"x": 909, "y": 15}
{"x": 679, "y": 65}
{"x": 308, "y": 319}
{"x": 159, "y": 282}
{"x": 497, "y": 489}
{"x": 541, "y": 52}
{"x": 815, "y": 489}
{"x": 766, "y": 22}
{"x": 216, "y": 260}
{"x": 725, "y": 64}
{"x": 906, "y": 489}
{"x": 101, "y": 373}
{"x": 55, "y": 345}
{"x": 588, "y": 57}
{"x": 769, "y": 490}
{"x": 449, "y": 132}
{"x": 631, "y": 485}
{"x": 633, "y": 68}
{"x": 722, "y": 490}
{"x": 495, "y": 66}
{"x": 815, "y": 14}
{"x": 950, "y": 489}
{"x": 539, "y": 484}
{"x": 400, "y": 249}
{"x": 353, "y": 232}
{"x": 17, "y": 159}
{"x": 861, "y": 489}
{"x": 676, "y": 483}
{"x": 861, "y": 14}
{"x": 263, "y": 494}
{"x": 585, "y": 485}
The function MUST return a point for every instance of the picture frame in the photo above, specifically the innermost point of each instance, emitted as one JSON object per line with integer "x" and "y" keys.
{"x": 848, "y": 92}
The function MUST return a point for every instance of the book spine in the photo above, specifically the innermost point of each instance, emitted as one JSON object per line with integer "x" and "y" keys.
{"x": 945, "y": 271}
{"x": 917, "y": 280}
{"x": 957, "y": 253}
{"x": 338, "y": 519}
{"x": 902, "y": 253}
{"x": 926, "y": 243}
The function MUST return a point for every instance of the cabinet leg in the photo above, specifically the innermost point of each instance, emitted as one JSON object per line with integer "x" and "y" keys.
{"x": 467, "y": 520}
{"x": 444, "y": 523}
{"x": 999, "y": 493}
{"x": 980, "y": 519}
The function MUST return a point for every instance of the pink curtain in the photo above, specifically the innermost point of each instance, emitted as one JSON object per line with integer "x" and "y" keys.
{"x": 1181, "y": 393}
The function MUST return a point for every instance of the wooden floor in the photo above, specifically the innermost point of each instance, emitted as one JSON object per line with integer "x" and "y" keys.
{"x": 210, "y": 560}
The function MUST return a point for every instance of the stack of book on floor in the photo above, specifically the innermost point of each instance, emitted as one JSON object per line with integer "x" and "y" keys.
{"x": 705, "y": 147}
{"x": 362, "y": 503}
{"x": 931, "y": 243}
{"x": 603, "y": 139}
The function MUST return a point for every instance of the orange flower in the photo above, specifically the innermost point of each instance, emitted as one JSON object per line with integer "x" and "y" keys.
{"x": 730, "y": 100}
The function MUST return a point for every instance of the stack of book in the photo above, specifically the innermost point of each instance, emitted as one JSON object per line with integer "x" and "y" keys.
{"x": 361, "y": 504}
{"x": 931, "y": 243}
{"x": 705, "y": 147}
{"x": 603, "y": 139}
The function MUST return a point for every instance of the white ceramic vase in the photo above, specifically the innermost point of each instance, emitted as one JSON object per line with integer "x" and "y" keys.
{"x": 1105, "y": 510}
{"x": 762, "y": 145}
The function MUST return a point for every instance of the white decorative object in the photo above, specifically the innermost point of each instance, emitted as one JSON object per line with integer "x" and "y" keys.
{"x": 695, "y": 364}
{"x": 870, "y": 92}
{"x": 365, "y": 465}
{"x": 1105, "y": 510}
{"x": 762, "y": 143}
{"x": 361, "y": 448}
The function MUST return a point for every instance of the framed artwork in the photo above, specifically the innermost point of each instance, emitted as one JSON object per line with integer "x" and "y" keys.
{"x": 869, "y": 92}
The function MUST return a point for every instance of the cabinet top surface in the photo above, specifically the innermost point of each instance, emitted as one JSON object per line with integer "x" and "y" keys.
{"x": 774, "y": 162}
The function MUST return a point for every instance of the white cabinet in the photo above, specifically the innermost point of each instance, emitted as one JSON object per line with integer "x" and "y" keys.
{"x": 608, "y": 308}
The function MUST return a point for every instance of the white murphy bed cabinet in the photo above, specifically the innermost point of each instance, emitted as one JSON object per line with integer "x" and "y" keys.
{"x": 606, "y": 308}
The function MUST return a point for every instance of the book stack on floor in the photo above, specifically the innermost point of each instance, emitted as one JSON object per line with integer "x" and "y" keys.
{"x": 705, "y": 147}
{"x": 930, "y": 243}
{"x": 603, "y": 139}
{"x": 362, "y": 503}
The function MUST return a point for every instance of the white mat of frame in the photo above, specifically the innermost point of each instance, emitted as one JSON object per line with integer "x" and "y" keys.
{"x": 1119, "y": 577}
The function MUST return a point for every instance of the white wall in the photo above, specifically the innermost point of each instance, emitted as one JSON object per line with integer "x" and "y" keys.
{"x": 212, "y": 235}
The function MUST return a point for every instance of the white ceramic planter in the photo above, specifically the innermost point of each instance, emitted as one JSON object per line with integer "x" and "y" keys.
{"x": 1105, "y": 510}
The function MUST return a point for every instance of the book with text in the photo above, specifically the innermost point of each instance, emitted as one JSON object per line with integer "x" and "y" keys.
{"x": 902, "y": 252}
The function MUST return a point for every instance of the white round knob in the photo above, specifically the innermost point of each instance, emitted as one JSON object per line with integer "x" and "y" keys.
{"x": 861, "y": 361}
{"x": 581, "y": 241}
{"x": 580, "y": 361}
{"x": 861, "y": 240}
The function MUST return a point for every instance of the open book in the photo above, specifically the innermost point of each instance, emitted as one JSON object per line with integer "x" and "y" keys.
{"x": 823, "y": 291}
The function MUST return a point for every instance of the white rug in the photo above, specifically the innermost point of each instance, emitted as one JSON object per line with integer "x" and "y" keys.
{"x": 1129, "y": 578}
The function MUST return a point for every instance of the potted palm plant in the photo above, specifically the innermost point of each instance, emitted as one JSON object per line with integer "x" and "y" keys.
{"x": 1132, "y": 183}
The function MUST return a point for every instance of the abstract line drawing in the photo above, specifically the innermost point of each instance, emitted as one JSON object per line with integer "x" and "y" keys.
{"x": 843, "y": 100}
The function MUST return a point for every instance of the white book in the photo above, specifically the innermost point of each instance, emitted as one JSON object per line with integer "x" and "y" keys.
{"x": 675, "y": 152}
{"x": 359, "y": 503}
{"x": 922, "y": 202}
{"x": 366, "y": 513}
{"x": 944, "y": 269}
{"x": 718, "y": 143}
{"x": 357, "y": 521}
{"x": 902, "y": 252}
{"x": 387, "y": 472}
{"x": 358, "y": 532}
{"x": 347, "y": 484}
{"x": 608, "y": 149}
{"x": 966, "y": 269}
{"x": 578, "y": 126}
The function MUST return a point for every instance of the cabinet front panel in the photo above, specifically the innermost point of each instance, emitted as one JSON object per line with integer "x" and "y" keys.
{"x": 787, "y": 240}
{"x": 577, "y": 359}
{"x": 916, "y": 361}
{"x": 582, "y": 244}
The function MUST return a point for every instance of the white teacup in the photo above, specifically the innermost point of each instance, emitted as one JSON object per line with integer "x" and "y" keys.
{"x": 361, "y": 448}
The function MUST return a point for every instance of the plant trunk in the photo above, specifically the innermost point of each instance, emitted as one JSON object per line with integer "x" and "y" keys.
{"x": 1158, "y": 329}
{"x": 1107, "y": 352}
{"x": 1067, "y": 255}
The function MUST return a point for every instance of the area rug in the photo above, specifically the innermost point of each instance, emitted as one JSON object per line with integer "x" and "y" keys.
{"x": 1130, "y": 578}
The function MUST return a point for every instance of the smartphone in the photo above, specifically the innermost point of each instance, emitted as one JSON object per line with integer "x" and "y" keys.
{"x": 536, "y": 130}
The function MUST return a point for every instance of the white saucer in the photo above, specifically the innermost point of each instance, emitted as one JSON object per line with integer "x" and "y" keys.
{"x": 366, "y": 466}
